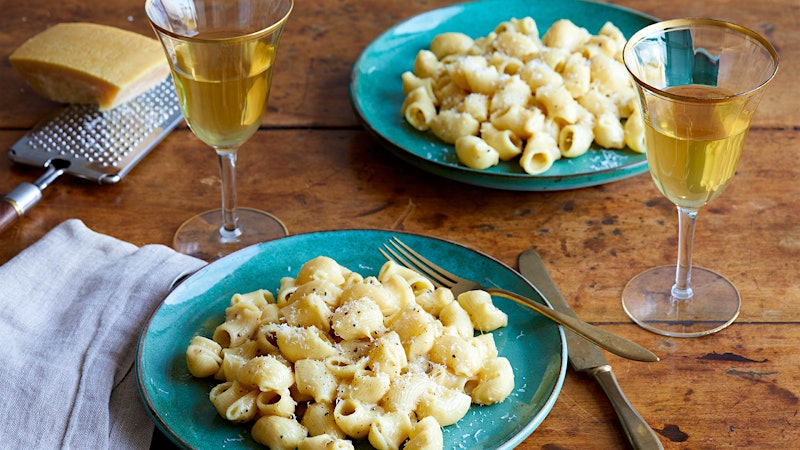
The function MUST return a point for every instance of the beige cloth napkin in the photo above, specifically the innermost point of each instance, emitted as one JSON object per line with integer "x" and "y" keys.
{"x": 72, "y": 307}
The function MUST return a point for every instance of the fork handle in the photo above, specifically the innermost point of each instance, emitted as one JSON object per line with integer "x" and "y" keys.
{"x": 600, "y": 337}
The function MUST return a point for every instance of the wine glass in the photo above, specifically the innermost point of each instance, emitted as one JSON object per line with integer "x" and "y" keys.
{"x": 222, "y": 53}
{"x": 699, "y": 82}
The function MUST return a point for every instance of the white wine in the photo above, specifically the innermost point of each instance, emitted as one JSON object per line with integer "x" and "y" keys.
{"x": 223, "y": 88}
{"x": 693, "y": 148}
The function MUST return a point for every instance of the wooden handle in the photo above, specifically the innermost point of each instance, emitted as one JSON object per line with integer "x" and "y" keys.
{"x": 8, "y": 214}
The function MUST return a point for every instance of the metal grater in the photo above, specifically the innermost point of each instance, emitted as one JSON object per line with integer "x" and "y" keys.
{"x": 101, "y": 146}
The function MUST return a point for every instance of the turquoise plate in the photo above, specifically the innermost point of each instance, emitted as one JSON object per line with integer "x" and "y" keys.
{"x": 179, "y": 403}
{"x": 376, "y": 93}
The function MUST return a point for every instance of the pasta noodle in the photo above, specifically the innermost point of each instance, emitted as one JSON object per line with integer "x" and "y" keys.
{"x": 490, "y": 96}
{"x": 337, "y": 356}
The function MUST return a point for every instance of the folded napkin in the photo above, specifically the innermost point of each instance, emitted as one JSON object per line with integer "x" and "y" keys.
{"x": 72, "y": 307}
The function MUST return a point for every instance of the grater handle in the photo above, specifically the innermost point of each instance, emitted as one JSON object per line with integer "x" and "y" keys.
{"x": 17, "y": 203}
{"x": 24, "y": 196}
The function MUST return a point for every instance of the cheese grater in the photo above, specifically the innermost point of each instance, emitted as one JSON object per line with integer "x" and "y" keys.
{"x": 101, "y": 146}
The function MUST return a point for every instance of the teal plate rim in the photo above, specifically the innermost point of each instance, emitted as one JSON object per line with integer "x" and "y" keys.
{"x": 179, "y": 405}
{"x": 376, "y": 93}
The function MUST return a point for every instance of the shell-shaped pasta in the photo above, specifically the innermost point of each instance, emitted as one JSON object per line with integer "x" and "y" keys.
{"x": 450, "y": 125}
{"x": 414, "y": 279}
{"x": 287, "y": 287}
{"x": 507, "y": 143}
{"x": 318, "y": 419}
{"x": 276, "y": 403}
{"x": 608, "y": 132}
{"x": 597, "y": 103}
{"x": 517, "y": 45}
{"x": 514, "y": 92}
{"x": 278, "y": 433}
{"x": 481, "y": 77}
{"x": 323, "y": 289}
{"x": 537, "y": 73}
{"x": 445, "y": 377}
{"x": 325, "y": 442}
{"x": 233, "y": 401}
{"x": 203, "y": 357}
{"x": 476, "y": 105}
{"x": 344, "y": 366}
{"x": 416, "y": 328}
{"x": 485, "y": 316}
{"x": 445, "y": 405}
{"x": 353, "y": 417}
{"x": 457, "y": 353}
{"x": 474, "y": 152}
{"x": 427, "y": 434}
{"x": 496, "y": 381}
{"x": 367, "y": 386}
{"x": 241, "y": 323}
{"x": 454, "y": 317}
{"x": 314, "y": 379}
{"x": 600, "y": 44}
{"x": 297, "y": 343}
{"x": 357, "y": 319}
{"x": 388, "y": 355}
{"x": 566, "y": 35}
{"x": 388, "y": 431}
{"x": 419, "y": 109}
{"x": 521, "y": 121}
{"x": 575, "y": 139}
{"x": 231, "y": 363}
{"x": 406, "y": 391}
{"x": 433, "y": 300}
{"x": 539, "y": 154}
{"x": 450, "y": 43}
{"x": 321, "y": 268}
{"x": 609, "y": 75}
{"x": 426, "y": 64}
{"x": 306, "y": 311}
{"x": 558, "y": 103}
{"x": 265, "y": 373}
{"x": 577, "y": 75}
{"x": 526, "y": 25}
{"x": 411, "y": 82}
{"x": 260, "y": 298}
{"x": 506, "y": 64}
{"x": 634, "y": 133}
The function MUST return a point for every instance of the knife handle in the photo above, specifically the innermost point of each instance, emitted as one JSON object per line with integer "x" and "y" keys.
{"x": 639, "y": 433}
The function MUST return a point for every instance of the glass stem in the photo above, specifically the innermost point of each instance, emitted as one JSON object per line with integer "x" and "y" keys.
{"x": 229, "y": 230}
{"x": 687, "y": 219}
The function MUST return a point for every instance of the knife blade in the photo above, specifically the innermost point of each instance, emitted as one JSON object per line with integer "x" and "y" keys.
{"x": 587, "y": 358}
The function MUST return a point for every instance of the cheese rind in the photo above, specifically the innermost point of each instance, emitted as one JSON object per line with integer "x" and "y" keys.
{"x": 90, "y": 63}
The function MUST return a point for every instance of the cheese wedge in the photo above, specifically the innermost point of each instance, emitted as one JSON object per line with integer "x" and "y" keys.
{"x": 90, "y": 63}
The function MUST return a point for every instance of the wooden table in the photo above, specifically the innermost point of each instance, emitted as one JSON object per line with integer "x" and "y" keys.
{"x": 312, "y": 165}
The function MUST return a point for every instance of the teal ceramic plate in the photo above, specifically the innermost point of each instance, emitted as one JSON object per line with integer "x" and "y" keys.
{"x": 179, "y": 403}
{"x": 377, "y": 95}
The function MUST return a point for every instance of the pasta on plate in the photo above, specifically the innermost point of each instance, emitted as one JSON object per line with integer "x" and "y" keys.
{"x": 334, "y": 356}
{"x": 513, "y": 94}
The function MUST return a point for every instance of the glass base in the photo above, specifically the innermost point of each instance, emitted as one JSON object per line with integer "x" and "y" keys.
{"x": 202, "y": 237}
{"x": 714, "y": 305}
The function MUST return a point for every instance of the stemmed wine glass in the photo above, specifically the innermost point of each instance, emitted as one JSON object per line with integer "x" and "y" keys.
{"x": 699, "y": 83}
{"x": 222, "y": 53}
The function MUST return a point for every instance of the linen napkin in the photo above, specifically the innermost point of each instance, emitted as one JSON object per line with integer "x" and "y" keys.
{"x": 72, "y": 307}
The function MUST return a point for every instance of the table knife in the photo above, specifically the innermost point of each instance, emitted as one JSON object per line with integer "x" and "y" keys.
{"x": 586, "y": 357}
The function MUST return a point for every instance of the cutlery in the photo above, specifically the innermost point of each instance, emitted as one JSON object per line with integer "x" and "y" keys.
{"x": 586, "y": 357}
{"x": 609, "y": 341}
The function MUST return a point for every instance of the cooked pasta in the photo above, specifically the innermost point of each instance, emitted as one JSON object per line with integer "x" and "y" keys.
{"x": 500, "y": 91}
{"x": 336, "y": 356}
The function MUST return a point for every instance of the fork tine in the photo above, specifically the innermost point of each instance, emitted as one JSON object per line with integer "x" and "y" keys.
{"x": 435, "y": 272}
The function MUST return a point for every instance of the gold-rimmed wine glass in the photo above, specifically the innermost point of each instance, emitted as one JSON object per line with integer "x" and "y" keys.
{"x": 222, "y": 54}
{"x": 699, "y": 83}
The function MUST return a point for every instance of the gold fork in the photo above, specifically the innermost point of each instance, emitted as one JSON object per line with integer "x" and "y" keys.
{"x": 404, "y": 255}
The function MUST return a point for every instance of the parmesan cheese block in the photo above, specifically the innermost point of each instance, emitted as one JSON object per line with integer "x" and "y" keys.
{"x": 90, "y": 63}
